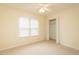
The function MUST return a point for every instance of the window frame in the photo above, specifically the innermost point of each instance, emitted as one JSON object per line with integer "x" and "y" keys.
{"x": 30, "y": 29}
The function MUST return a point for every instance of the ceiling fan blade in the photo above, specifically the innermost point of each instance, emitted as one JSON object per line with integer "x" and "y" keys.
{"x": 44, "y": 5}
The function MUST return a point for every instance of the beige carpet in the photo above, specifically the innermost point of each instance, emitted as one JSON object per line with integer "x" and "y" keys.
{"x": 41, "y": 48}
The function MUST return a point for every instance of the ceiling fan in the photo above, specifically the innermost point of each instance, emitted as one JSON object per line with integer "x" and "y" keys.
{"x": 42, "y": 8}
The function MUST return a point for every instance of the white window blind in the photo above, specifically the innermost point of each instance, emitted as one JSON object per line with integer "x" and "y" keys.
{"x": 28, "y": 27}
{"x": 34, "y": 27}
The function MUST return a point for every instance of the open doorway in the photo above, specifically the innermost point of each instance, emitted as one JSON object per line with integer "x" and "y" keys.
{"x": 52, "y": 29}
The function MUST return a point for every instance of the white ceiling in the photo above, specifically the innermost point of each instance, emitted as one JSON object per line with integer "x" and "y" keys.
{"x": 34, "y": 7}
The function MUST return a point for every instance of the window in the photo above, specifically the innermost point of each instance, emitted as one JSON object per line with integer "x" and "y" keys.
{"x": 23, "y": 27}
{"x": 34, "y": 27}
{"x": 28, "y": 27}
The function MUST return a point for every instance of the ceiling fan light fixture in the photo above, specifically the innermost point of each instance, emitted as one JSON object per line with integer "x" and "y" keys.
{"x": 42, "y": 10}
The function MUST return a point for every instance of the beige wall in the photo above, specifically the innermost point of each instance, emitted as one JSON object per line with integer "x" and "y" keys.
{"x": 9, "y": 24}
{"x": 0, "y": 27}
{"x": 69, "y": 27}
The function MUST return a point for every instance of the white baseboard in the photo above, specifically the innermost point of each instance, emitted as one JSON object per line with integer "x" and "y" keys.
{"x": 18, "y": 46}
{"x": 69, "y": 46}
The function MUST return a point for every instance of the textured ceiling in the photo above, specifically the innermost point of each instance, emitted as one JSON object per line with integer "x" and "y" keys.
{"x": 34, "y": 7}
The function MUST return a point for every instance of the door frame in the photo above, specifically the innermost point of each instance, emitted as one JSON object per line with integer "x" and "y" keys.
{"x": 57, "y": 29}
